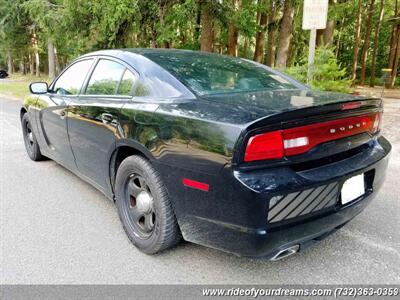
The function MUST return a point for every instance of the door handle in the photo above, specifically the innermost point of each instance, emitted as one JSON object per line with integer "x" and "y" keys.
{"x": 107, "y": 118}
{"x": 62, "y": 114}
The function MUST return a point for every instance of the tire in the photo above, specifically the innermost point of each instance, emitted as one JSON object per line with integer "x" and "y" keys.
{"x": 31, "y": 144}
{"x": 144, "y": 207}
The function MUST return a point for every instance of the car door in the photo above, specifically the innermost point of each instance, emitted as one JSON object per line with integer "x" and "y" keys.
{"x": 51, "y": 111}
{"x": 93, "y": 119}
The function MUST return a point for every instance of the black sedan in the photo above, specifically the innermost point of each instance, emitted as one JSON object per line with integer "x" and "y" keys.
{"x": 219, "y": 151}
{"x": 3, "y": 74}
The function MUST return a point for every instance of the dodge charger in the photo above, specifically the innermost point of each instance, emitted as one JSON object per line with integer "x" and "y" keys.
{"x": 219, "y": 151}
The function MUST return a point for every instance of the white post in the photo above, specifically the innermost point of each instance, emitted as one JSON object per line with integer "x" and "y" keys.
{"x": 311, "y": 53}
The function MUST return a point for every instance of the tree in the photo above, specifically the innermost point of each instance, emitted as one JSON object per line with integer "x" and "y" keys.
{"x": 393, "y": 37}
{"x": 394, "y": 52}
{"x": 272, "y": 28}
{"x": 260, "y": 35}
{"x": 341, "y": 27}
{"x": 14, "y": 33}
{"x": 376, "y": 41}
{"x": 207, "y": 27}
{"x": 39, "y": 36}
{"x": 357, "y": 34}
{"x": 285, "y": 35}
{"x": 325, "y": 36}
{"x": 233, "y": 30}
{"x": 366, "y": 42}
{"x": 396, "y": 59}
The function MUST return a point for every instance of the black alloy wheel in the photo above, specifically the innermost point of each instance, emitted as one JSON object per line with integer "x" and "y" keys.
{"x": 31, "y": 144}
{"x": 144, "y": 207}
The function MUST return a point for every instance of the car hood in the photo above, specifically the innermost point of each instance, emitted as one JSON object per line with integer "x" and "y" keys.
{"x": 244, "y": 108}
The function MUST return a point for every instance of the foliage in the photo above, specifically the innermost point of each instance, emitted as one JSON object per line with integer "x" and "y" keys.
{"x": 79, "y": 26}
{"x": 327, "y": 75}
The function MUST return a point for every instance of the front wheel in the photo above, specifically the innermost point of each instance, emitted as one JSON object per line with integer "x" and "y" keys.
{"x": 31, "y": 144}
{"x": 144, "y": 207}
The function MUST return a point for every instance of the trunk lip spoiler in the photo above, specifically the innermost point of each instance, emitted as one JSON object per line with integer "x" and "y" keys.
{"x": 332, "y": 111}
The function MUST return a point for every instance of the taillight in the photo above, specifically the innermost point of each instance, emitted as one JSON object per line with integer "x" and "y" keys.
{"x": 377, "y": 123}
{"x": 294, "y": 141}
{"x": 264, "y": 146}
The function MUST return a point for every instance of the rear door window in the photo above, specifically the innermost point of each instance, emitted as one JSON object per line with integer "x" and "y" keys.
{"x": 105, "y": 78}
{"x": 126, "y": 84}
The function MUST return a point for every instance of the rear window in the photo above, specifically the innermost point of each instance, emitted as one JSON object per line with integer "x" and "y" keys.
{"x": 208, "y": 74}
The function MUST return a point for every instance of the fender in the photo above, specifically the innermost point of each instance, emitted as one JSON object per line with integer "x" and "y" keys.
{"x": 113, "y": 154}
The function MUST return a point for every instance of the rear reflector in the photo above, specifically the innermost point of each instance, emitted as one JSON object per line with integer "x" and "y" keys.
{"x": 195, "y": 184}
{"x": 294, "y": 141}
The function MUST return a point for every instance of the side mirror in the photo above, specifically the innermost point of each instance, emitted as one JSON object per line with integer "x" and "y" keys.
{"x": 38, "y": 87}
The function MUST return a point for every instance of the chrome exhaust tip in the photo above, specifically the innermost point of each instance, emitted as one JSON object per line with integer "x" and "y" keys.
{"x": 285, "y": 253}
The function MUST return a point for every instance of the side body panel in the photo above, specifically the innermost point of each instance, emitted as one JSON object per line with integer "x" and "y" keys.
{"x": 93, "y": 127}
{"x": 181, "y": 147}
{"x": 50, "y": 116}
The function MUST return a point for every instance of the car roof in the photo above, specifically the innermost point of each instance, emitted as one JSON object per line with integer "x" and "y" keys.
{"x": 143, "y": 61}
{"x": 145, "y": 51}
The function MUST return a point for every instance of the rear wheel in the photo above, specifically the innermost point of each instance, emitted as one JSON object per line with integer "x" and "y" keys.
{"x": 144, "y": 207}
{"x": 31, "y": 144}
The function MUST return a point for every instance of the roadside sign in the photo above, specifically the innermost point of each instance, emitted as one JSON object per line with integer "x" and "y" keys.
{"x": 315, "y": 13}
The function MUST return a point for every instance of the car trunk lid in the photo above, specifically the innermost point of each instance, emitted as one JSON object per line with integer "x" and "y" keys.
{"x": 304, "y": 125}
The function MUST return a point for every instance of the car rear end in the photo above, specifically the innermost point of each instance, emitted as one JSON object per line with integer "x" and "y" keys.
{"x": 304, "y": 162}
{"x": 298, "y": 176}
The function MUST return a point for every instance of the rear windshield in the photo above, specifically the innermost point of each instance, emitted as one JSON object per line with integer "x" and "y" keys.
{"x": 208, "y": 74}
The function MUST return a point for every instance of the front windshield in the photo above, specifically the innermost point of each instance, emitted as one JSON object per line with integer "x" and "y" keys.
{"x": 208, "y": 74}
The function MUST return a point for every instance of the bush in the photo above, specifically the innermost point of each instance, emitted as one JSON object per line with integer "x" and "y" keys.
{"x": 327, "y": 74}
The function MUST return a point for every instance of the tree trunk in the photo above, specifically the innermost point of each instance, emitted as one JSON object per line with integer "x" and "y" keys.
{"x": 9, "y": 63}
{"x": 233, "y": 31}
{"x": 393, "y": 39}
{"x": 162, "y": 10}
{"x": 285, "y": 35}
{"x": 233, "y": 34}
{"x": 395, "y": 65}
{"x": 37, "y": 63}
{"x": 22, "y": 66}
{"x": 339, "y": 37}
{"x": 328, "y": 33}
{"x": 207, "y": 28}
{"x": 366, "y": 42}
{"x": 325, "y": 36}
{"x": 246, "y": 47}
{"x": 393, "y": 44}
{"x": 356, "y": 43}
{"x": 271, "y": 36}
{"x": 260, "y": 38}
{"x": 52, "y": 59}
{"x": 376, "y": 40}
{"x": 196, "y": 33}
{"x": 57, "y": 62}
{"x": 320, "y": 37}
{"x": 36, "y": 53}
{"x": 32, "y": 65}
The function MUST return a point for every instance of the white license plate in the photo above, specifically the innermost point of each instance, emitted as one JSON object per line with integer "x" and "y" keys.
{"x": 353, "y": 188}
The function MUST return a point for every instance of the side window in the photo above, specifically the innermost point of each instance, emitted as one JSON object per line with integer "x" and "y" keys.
{"x": 105, "y": 78}
{"x": 126, "y": 83}
{"x": 70, "y": 82}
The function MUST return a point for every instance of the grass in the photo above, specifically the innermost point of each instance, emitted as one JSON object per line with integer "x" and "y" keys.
{"x": 17, "y": 85}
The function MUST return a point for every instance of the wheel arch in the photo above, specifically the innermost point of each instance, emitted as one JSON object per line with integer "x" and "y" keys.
{"x": 22, "y": 111}
{"x": 124, "y": 149}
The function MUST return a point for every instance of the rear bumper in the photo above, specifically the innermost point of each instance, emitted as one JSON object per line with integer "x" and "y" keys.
{"x": 266, "y": 243}
{"x": 234, "y": 217}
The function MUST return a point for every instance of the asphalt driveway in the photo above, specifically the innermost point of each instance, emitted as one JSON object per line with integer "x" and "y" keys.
{"x": 57, "y": 229}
